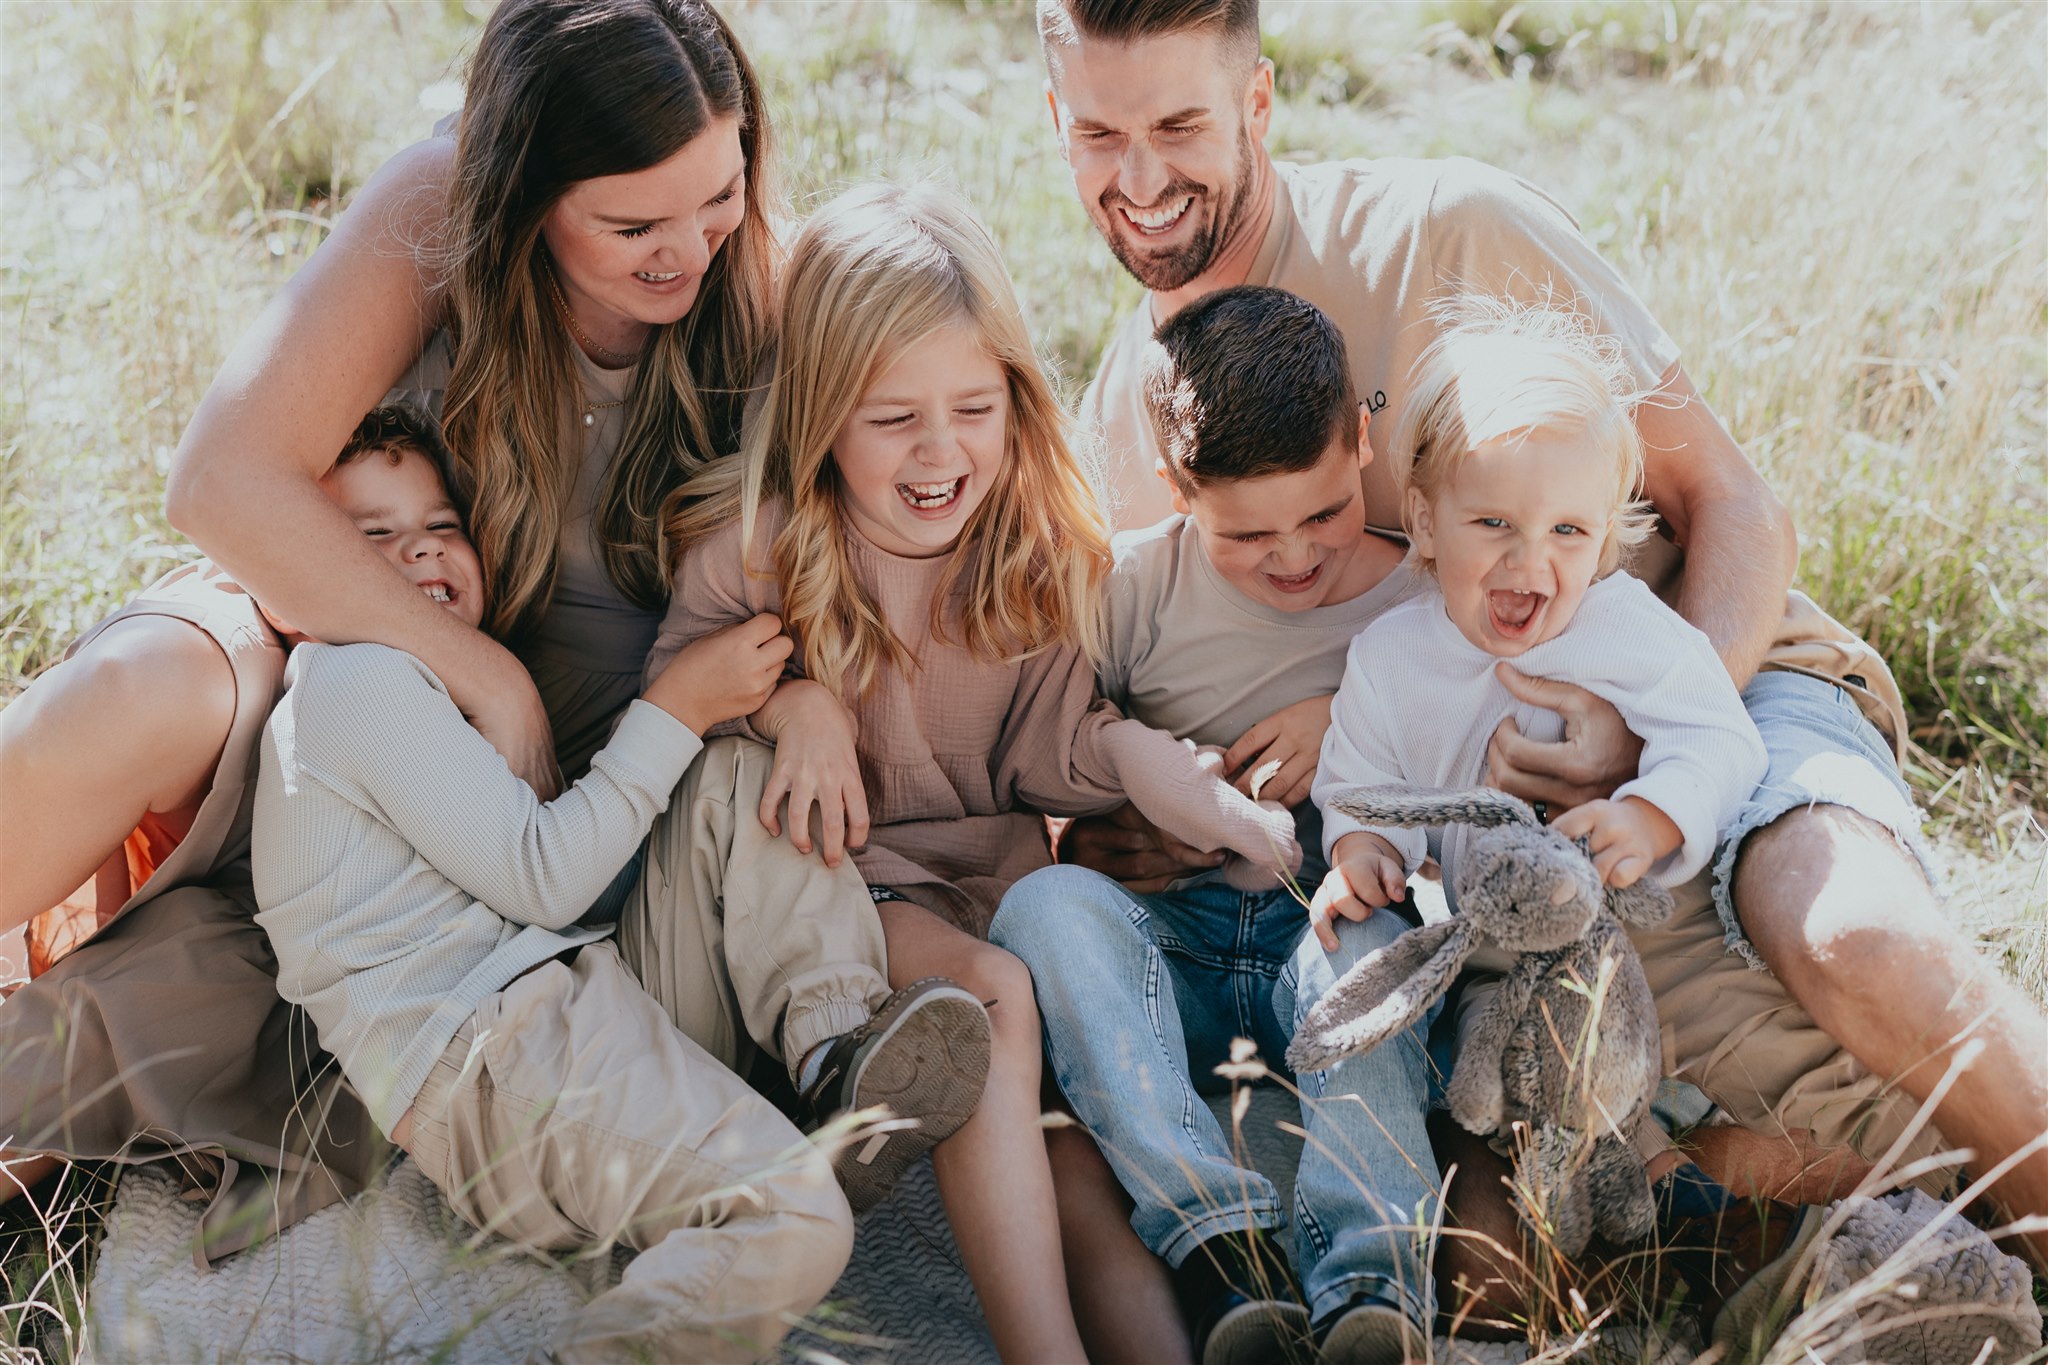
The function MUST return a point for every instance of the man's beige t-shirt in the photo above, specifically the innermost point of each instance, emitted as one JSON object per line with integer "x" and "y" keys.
{"x": 1375, "y": 244}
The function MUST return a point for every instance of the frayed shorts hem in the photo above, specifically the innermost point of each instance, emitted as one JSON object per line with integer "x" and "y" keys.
{"x": 1823, "y": 752}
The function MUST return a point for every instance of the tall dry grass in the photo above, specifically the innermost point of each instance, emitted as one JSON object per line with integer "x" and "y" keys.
{"x": 1836, "y": 209}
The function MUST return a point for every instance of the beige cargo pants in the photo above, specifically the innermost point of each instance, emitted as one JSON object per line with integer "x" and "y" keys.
{"x": 569, "y": 1112}
{"x": 744, "y": 940}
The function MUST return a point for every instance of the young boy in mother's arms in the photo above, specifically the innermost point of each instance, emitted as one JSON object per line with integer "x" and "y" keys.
{"x": 1161, "y": 108}
{"x": 424, "y": 905}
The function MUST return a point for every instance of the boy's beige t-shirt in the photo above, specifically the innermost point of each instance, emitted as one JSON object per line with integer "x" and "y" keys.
{"x": 1375, "y": 244}
{"x": 1189, "y": 654}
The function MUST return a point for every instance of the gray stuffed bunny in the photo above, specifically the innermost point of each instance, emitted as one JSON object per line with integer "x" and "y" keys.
{"x": 1537, "y": 1056}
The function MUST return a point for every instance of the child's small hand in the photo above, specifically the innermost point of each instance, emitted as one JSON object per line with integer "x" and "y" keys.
{"x": 1368, "y": 873}
{"x": 815, "y": 766}
{"x": 723, "y": 676}
{"x": 1276, "y": 759}
{"x": 1627, "y": 837}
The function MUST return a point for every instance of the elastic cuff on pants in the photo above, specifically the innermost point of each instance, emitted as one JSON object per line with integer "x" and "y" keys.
{"x": 814, "y": 1021}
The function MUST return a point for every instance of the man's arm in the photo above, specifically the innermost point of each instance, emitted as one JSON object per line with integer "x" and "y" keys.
{"x": 1740, "y": 553}
{"x": 1740, "y": 546}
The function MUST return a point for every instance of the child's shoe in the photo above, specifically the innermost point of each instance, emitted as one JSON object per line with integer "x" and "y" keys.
{"x": 923, "y": 1054}
{"x": 1241, "y": 1301}
{"x": 1366, "y": 1330}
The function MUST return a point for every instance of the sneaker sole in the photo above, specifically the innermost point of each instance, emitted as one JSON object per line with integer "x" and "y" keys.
{"x": 1259, "y": 1333}
{"x": 926, "y": 1059}
{"x": 1372, "y": 1335}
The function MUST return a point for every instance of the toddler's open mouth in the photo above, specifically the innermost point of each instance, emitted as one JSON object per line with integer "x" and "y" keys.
{"x": 1513, "y": 614}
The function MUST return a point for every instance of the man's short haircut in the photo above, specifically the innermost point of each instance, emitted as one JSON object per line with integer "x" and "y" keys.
{"x": 1248, "y": 382}
{"x": 396, "y": 428}
{"x": 1063, "y": 23}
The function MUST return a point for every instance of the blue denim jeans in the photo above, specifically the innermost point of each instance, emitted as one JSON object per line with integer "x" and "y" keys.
{"x": 1142, "y": 996}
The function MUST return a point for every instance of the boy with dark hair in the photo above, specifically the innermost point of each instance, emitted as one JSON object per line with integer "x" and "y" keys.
{"x": 1244, "y": 601}
{"x": 1248, "y": 383}
{"x": 427, "y": 909}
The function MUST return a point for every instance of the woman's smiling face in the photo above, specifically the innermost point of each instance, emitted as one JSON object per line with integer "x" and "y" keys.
{"x": 631, "y": 250}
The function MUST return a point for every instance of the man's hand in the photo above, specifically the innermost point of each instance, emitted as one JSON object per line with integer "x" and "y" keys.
{"x": 1627, "y": 837}
{"x": 1368, "y": 872}
{"x": 1276, "y": 759}
{"x": 815, "y": 766}
{"x": 1124, "y": 845}
{"x": 1597, "y": 754}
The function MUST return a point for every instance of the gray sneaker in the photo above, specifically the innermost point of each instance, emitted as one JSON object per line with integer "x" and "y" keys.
{"x": 924, "y": 1055}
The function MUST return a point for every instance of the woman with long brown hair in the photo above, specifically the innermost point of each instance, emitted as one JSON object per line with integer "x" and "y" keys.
{"x": 580, "y": 283}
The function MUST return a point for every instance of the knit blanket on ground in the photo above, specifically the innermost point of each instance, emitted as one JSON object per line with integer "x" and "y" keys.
{"x": 394, "y": 1275}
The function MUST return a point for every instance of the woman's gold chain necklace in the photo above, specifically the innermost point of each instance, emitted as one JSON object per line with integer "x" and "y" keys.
{"x": 617, "y": 358}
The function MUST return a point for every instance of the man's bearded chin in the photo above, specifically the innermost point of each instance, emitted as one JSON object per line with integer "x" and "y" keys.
{"x": 1165, "y": 271}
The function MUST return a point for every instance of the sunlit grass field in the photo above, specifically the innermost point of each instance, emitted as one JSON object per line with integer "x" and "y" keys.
{"x": 1836, "y": 210}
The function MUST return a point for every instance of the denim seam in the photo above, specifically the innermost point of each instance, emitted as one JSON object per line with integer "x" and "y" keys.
{"x": 1194, "y": 1231}
{"x": 1383, "y": 1287}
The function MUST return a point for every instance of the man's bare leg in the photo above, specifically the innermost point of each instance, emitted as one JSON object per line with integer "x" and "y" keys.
{"x": 1845, "y": 920}
{"x": 1483, "y": 1286}
{"x": 1485, "y": 1281}
{"x": 21, "y": 1172}
{"x": 1751, "y": 1165}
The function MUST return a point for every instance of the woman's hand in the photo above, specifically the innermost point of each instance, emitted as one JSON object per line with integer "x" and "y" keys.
{"x": 1276, "y": 759}
{"x": 815, "y": 766}
{"x": 1597, "y": 754}
{"x": 509, "y": 714}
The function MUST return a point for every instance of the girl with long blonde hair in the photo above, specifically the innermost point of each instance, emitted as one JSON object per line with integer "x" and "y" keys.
{"x": 578, "y": 283}
{"x": 908, "y": 501}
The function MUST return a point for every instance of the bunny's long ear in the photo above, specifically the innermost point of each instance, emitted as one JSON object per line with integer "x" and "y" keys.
{"x": 1644, "y": 902}
{"x": 1397, "y": 804}
{"x": 1384, "y": 992}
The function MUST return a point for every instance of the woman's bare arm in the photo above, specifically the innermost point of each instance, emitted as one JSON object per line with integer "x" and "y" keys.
{"x": 133, "y": 722}
{"x": 243, "y": 484}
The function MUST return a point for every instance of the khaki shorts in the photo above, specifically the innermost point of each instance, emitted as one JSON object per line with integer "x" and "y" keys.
{"x": 1738, "y": 1035}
